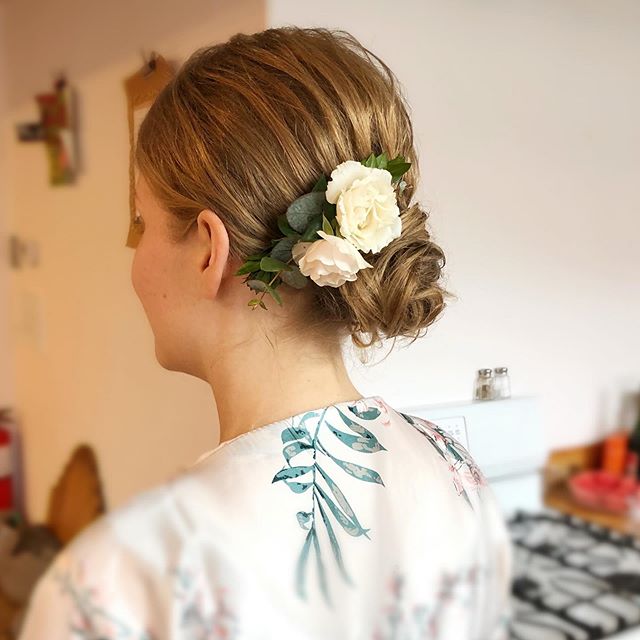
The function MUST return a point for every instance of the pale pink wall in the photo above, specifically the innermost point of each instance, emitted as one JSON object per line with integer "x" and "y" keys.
{"x": 7, "y": 377}
{"x": 86, "y": 371}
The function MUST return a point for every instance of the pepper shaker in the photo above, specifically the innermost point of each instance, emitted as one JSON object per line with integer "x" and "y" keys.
{"x": 484, "y": 385}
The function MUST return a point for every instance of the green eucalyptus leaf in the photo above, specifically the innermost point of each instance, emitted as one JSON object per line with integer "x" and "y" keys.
{"x": 321, "y": 185}
{"x": 397, "y": 167}
{"x": 258, "y": 285}
{"x": 311, "y": 232}
{"x": 326, "y": 226}
{"x": 303, "y": 209}
{"x": 329, "y": 209}
{"x": 256, "y": 257}
{"x": 248, "y": 267}
{"x": 399, "y": 170}
{"x": 285, "y": 227}
{"x": 294, "y": 278}
{"x": 273, "y": 265}
{"x": 370, "y": 161}
{"x": 282, "y": 250}
{"x": 275, "y": 295}
{"x": 264, "y": 276}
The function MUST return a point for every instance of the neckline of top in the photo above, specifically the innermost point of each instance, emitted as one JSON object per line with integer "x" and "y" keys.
{"x": 240, "y": 436}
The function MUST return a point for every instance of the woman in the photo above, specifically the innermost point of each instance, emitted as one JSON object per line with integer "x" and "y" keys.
{"x": 276, "y": 177}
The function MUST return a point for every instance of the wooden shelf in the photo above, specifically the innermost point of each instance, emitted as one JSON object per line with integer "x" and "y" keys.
{"x": 558, "y": 497}
{"x": 561, "y": 465}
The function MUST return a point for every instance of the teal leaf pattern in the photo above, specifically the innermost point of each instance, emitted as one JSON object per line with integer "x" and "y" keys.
{"x": 355, "y": 470}
{"x": 367, "y": 414}
{"x": 298, "y": 487}
{"x": 295, "y": 433}
{"x": 350, "y": 526}
{"x": 291, "y": 472}
{"x": 304, "y": 519}
{"x": 335, "y": 546}
{"x": 327, "y": 498}
{"x": 367, "y": 443}
{"x": 301, "y": 566}
{"x": 294, "y": 448}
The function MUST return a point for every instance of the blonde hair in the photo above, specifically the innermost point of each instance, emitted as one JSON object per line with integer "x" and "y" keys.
{"x": 247, "y": 126}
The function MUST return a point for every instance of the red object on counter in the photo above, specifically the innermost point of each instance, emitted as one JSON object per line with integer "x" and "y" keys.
{"x": 603, "y": 490}
{"x": 631, "y": 466}
{"x": 6, "y": 470}
{"x": 615, "y": 453}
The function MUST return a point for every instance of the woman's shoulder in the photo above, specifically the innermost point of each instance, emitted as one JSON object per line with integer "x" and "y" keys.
{"x": 106, "y": 565}
{"x": 102, "y": 544}
{"x": 98, "y": 583}
{"x": 466, "y": 476}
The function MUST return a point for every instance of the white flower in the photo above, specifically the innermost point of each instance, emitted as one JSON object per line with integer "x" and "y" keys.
{"x": 366, "y": 206}
{"x": 330, "y": 261}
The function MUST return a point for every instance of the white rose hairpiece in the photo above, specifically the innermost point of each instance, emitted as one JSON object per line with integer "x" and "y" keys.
{"x": 325, "y": 230}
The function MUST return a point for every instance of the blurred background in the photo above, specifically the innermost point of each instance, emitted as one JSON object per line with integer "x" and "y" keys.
{"x": 526, "y": 119}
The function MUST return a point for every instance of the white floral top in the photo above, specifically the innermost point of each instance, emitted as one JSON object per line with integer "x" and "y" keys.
{"x": 348, "y": 522}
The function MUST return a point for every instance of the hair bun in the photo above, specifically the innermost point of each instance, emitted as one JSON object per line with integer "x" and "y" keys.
{"x": 400, "y": 297}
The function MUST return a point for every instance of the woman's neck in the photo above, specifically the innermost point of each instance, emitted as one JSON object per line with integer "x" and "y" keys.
{"x": 257, "y": 383}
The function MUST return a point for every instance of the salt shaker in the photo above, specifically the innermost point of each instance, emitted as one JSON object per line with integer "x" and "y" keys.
{"x": 484, "y": 385}
{"x": 501, "y": 383}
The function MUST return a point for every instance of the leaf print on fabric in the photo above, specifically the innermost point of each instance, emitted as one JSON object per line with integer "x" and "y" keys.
{"x": 328, "y": 500}
{"x": 337, "y": 553}
{"x": 464, "y": 471}
{"x": 358, "y": 442}
{"x": 367, "y": 414}
{"x": 292, "y": 472}
{"x": 304, "y": 519}
{"x": 294, "y": 449}
{"x": 355, "y": 470}
{"x": 298, "y": 487}
{"x": 90, "y": 618}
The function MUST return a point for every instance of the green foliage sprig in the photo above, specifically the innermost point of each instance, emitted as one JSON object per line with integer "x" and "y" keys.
{"x": 305, "y": 216}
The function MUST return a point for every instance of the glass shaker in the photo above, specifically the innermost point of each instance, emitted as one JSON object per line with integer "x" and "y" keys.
{"x": 501, "y": 383}
{"x": 484, "y": 385}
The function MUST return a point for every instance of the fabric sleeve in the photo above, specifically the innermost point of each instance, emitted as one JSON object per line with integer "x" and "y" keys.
{"x": 92, "y": 590}
{"x": 496, "y": 611}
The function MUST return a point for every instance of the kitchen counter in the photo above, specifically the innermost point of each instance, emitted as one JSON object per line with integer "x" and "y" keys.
{"x": 557, "y": 496}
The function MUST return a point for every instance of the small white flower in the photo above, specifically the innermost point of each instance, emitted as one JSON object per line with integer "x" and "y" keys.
{"x": 330, "y": 261}
{"x": 366, "y": 205}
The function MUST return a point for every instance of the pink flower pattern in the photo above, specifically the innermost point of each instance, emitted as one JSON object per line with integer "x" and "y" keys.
{"x": 425, "y": 620}
{"x": 465, "y": 473}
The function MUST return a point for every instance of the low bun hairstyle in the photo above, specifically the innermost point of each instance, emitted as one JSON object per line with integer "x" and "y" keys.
{"x": 247, "y": 126}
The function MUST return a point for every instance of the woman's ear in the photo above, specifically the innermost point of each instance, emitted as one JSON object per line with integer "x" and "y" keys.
{"x": 214, "y": 244}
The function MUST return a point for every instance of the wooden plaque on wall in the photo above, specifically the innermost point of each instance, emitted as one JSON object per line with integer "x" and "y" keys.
{"x": 142, "y": 89}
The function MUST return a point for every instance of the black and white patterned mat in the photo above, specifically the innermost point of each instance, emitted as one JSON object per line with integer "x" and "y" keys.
{"x": 573, "y": 580}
